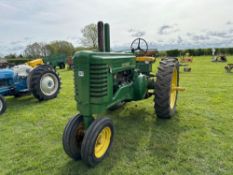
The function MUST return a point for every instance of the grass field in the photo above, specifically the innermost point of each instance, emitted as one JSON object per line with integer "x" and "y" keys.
{"x": 198, "y": 140}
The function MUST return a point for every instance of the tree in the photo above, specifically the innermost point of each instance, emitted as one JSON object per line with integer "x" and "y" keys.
{"x": 173, "y": 53}
{"x": 61, "y": 47}
{"x": 10, "y": 56}
{"x": 36, "y": 50}
{"x": 90, "y": 36}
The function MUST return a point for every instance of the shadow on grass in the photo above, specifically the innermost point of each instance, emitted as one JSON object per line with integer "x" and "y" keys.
{"x": 152, "y": 138}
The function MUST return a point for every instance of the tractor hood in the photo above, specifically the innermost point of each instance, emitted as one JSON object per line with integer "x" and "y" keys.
{"x": 6, "y": 73}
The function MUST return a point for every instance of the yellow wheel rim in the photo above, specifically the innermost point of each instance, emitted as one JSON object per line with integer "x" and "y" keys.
{"x": 173, "y": 92}
{"x": 102, "y": 142}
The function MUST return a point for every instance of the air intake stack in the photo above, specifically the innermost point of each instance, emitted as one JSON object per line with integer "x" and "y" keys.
{"x": 103, "y": 37}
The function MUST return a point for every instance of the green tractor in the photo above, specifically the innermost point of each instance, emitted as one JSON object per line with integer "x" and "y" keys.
{"x": 106, "y": 80}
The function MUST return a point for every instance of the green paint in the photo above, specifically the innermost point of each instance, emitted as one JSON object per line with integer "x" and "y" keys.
{"x": 107, "y": 37}
{"x": 96, "y": 88}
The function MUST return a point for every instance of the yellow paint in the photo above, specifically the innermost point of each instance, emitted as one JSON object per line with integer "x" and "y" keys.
{"x": 35, "y": 63}
{"x": 174, "y": 89}
{"x": 144, "y": 59}
{"x": 178, "y": 88}
{"x": 102, "y": 142}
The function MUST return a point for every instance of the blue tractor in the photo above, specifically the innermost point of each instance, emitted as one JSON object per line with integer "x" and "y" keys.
{"x": 42, "y": 81}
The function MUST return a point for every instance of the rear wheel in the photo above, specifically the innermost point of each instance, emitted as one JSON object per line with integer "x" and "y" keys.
{"x": 44, "y": 83}
{"x": 166, "y": 88}
{"x": 3, "y": 105}
{"x": 97, "y": 141}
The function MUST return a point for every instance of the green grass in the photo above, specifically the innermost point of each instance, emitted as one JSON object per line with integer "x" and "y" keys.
{"x": 198, "y": 140}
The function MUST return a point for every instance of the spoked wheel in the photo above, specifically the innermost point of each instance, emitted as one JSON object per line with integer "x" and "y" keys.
{"x": 45, "y": 83}
{"x": 73, "y": 137}
{"x": 97, "y": 141}
{"x": 3, "y": 105}
{"x": 166, "y": 88}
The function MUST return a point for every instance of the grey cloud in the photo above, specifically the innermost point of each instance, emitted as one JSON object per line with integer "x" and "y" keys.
{"x": 137, "y": 33}
{"x": 229, "y": 23}
{"x": 27, "y": 38}
{"x": 218, "y": 34}
{"x": 200, "y": 38}
{"x": 16, "y": 42}
{"x": 168, "y": 29}
{"x": 179, "y": 40}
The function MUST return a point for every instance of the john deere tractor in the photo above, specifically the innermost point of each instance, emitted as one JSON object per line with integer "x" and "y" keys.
{"x": 105, "y": 80}
{"x": 33, "y": 77}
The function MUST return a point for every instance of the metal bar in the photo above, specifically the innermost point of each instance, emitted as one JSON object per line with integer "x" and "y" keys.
{"x": 178, "y": 88}
{"x": 87, "y": 121}
{"x": 107, "y": 37}
{"x": 100, "y": 28}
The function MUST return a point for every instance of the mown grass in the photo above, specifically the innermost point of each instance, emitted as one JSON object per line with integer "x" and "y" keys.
{"x": 198, "y": 140}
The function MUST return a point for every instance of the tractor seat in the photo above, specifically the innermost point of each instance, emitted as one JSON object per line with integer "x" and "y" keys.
{"x": 22, "y": 70}
{"x": 145, "y": 59}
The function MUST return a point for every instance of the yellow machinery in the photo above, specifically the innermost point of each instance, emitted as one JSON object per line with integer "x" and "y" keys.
{"x": 35, "y": 63}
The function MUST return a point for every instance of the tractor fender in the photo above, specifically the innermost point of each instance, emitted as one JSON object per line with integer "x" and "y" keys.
{"x": 140, "y": 87}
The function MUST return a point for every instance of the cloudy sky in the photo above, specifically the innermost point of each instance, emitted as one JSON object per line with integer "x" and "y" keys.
{"x": 165, "y": 24}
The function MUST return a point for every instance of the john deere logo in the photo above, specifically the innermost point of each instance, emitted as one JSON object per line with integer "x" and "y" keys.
{"x": 80, "y": 73}
{"x": 125, "y": 64}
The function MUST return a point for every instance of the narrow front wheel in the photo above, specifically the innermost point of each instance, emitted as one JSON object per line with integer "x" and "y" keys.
{"x": 97, "y": 141}
{"x": 73, "y": 137}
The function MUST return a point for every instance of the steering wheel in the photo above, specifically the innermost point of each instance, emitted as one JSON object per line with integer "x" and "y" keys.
{"x": 139, "y": 46}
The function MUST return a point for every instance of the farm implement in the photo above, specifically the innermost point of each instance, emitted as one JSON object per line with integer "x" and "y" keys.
{"x": 106, "y": 80}
{"x": 56, "y": 60}
{"x": 228, "y": 68}
{"x": 33, "y": 77}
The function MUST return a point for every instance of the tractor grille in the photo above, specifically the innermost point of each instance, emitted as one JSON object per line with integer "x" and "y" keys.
{"x": 98, "y": 80}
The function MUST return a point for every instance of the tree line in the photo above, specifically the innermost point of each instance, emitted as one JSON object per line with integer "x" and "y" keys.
{"x": 89, "y": 41}
{"x": 40, "y": 49}
{"x": 196, "y": 52}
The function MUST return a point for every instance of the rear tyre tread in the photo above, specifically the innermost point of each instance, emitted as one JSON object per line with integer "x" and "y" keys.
{"x": 163, "y": 88}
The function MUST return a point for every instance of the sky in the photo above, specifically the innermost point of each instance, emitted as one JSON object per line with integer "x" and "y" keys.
{"x": 165, "y": 24}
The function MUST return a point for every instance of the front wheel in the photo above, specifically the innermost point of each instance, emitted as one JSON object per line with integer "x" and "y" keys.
{"x": 166, "y": 88}
{"x": 73, "y": 137}
{"x": 3, "y": 105}
{"x": 97, "y": 141}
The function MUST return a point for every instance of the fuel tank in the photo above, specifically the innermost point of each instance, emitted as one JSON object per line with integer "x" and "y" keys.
{"x": 6, "y": 74}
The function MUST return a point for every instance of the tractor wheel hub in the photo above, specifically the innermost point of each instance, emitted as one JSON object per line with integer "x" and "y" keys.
{"x": 48, "y": 84}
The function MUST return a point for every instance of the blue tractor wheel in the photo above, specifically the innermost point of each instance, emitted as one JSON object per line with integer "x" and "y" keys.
{"x": 3, "y": 105}
{"x": 44, "y": 83}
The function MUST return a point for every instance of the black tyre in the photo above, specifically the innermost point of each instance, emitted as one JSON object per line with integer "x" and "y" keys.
{"x": 117, "y": 106}
{"x": 73, "y": 137}
{"x": 46, "y": 66}
{"x": 165, "y": 92}
{"x": 3, "y": 105}
{"x": 97, "y": 141}
{"x": 45, "y": 83}
{"x": 43, "y": 66}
